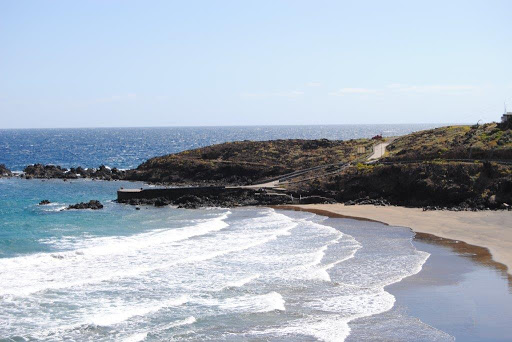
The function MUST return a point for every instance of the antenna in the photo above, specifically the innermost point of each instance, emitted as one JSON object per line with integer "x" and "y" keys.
{"x": 505, "y": 104}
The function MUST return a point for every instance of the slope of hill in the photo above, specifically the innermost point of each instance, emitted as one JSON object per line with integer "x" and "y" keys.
{"x": 246, "y": 162}
{"x": 487, "y": 141}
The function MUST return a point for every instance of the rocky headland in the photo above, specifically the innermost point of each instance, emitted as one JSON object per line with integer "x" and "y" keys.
{"x": 453, "y": 168}
{"x": 245, "y": 162}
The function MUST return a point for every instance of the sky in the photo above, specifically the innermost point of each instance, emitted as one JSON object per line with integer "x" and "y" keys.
{"x": 123, "y": 63}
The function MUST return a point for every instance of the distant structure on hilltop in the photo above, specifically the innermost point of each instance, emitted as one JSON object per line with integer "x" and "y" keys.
{"x": 507, "y": 116}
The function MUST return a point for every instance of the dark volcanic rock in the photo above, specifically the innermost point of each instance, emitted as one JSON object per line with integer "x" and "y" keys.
{"x": 92, "y": 204}
{"x": 55, "y": 171}
{"x": 5, "y": 172}
{"x": 314, "y": 199}
{"x": 222, "y": 199}
{"x": 433, "y": 186}
{"x": 368, "y": 201}
{"x": 45, "y": 171}
{"x": 44, "y": 202}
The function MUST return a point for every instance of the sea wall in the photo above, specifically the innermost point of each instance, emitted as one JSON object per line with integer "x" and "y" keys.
{"x": 174, "y": 193}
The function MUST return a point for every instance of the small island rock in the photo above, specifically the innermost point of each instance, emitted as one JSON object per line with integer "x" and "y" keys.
{"x": 5, "y": 172}
{"x": 92, "y": 204}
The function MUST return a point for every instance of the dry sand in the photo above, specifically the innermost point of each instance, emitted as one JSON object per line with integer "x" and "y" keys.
{"x": 489, "y": 229}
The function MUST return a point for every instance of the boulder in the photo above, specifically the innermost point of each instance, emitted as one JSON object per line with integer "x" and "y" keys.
{"x": 5, "y": 172}
{"x": 92, "y": 204}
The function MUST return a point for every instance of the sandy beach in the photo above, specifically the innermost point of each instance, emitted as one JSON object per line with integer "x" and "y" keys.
{"x": 489, "y": 229}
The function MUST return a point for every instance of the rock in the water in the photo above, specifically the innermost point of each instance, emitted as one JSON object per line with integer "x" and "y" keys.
{"x": 5, "y": 172}
{"x": 44, "y": 202}
{"x": 55, "y": 171}
{"x": 92, "y": 204}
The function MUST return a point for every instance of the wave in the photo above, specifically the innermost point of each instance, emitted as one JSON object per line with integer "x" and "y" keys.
{"x": 136, "y": 337}
{"x": 268, "y": 302}
{"x": 111, "y": 315}
{"x": 45, "y": 271}
{"x": 52, "y": 207}
{"x": 316, "y": 268}
{"x": 94, "y": 262}
{"x": 241, "y": 282}
{"x": 186, "y": 321}
{"x": 143, "y": 335}
{"x": 116, "y": 314}
{"x": 333, "y": 329}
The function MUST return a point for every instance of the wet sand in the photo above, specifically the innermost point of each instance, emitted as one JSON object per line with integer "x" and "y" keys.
{"x": 461, "y": 293}
{"x": 460, "y": 290}
{"x": 488, "y": 229}
{"x": 457, "y": 292}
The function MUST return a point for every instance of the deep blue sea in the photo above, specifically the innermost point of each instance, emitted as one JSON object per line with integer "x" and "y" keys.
{"x": 168, "y": 274}
{"x": 128, "y": 147}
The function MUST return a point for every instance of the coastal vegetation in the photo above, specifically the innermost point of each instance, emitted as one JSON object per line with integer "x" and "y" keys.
{"x": 487, "y": 141}
{"x": 247, "y": 162}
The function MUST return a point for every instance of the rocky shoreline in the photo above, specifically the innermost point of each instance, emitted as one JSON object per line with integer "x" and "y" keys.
{"x": 103, "y": 172}
{"x": 323, "y": 193}
{"x": 418, "y": 170}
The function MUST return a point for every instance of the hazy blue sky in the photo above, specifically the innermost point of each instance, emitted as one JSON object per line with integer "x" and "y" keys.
{"x": 166, "y": 63}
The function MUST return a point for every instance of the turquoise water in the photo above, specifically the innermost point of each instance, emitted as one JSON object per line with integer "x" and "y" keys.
{"x": 26, "y": 227}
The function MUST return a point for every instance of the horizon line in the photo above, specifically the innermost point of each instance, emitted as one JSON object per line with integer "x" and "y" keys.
{"x": 262, "y": 125}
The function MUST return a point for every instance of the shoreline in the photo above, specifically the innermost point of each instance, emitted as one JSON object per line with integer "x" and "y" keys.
{"x": 483, "y": 233}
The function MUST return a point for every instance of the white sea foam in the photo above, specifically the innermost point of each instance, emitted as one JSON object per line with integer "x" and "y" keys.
{"x": 328, "y": 329}
{"x": 52, "y": 207}
{"x": 115, "y": 313}
{"x": 179, "y": 323}
{"x": 136, "y": 337}
{"x": 37, "y": 272}
{"x": 249, "y": 303}
{"x": 149, "y": 251}
{"x": 241, "y": 282}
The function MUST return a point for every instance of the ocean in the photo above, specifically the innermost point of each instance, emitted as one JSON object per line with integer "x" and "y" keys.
{"x": 217, "y": 274}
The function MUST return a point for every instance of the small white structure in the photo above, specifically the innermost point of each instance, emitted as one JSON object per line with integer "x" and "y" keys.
{"x": 507, "y": 116}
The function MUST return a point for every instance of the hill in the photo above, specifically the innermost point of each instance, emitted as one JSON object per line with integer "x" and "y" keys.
{"x": 247, "y": 162}
{"x": 488, "y": 141}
